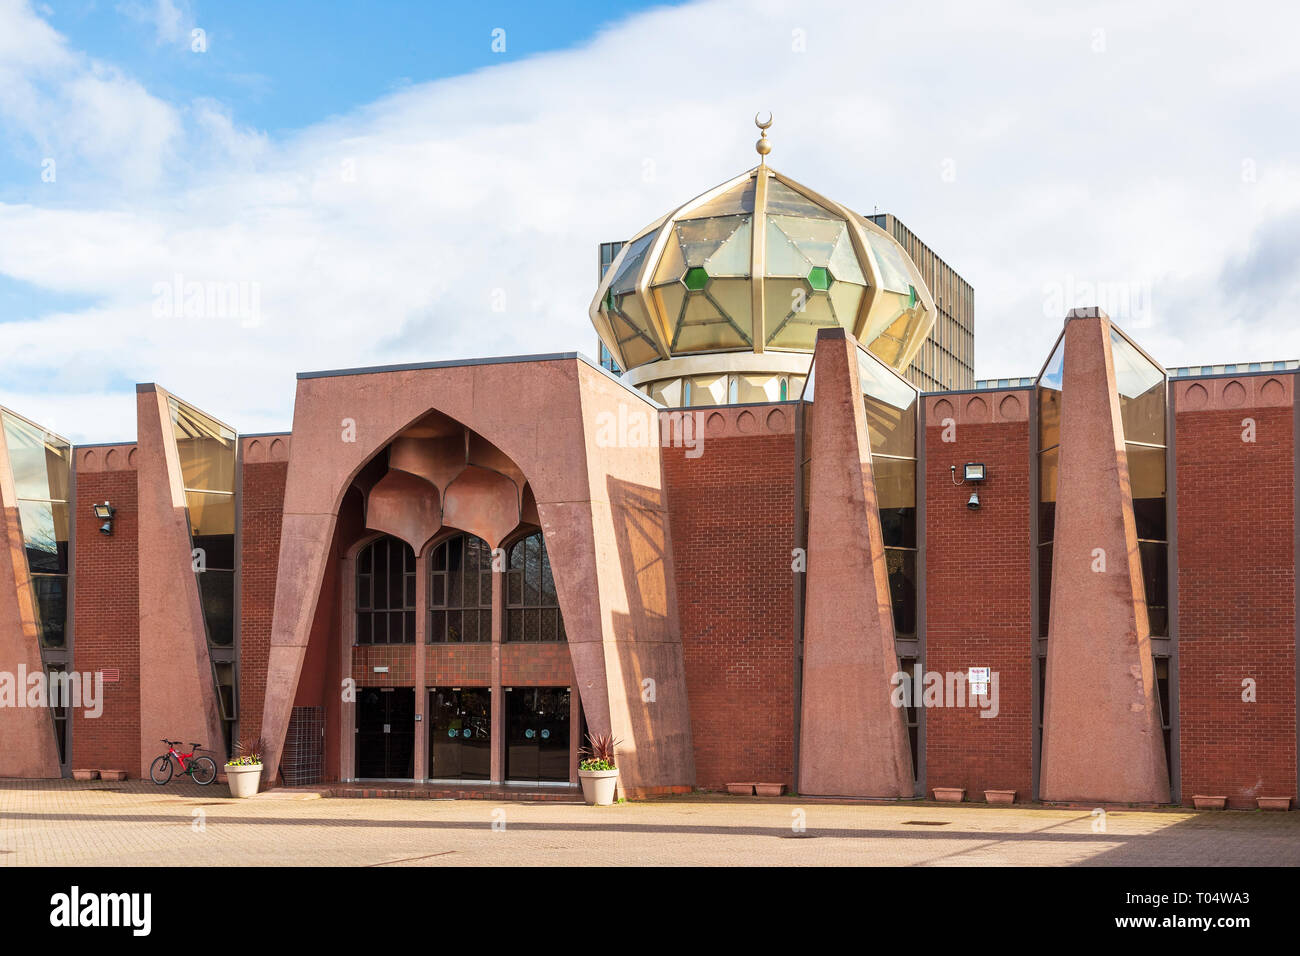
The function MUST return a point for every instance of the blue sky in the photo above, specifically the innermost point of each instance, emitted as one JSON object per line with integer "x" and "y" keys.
{"x": 285, "y": 64}
{"x": 370, "y": 183}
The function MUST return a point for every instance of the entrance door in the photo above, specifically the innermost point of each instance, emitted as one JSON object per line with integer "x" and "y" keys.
{"x": 386, "y": 733}
{"x": 460, "y": 733}
{"x": 537, "y": 734}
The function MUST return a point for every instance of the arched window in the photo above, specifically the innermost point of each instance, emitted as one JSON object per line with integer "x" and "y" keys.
{"x": 532, "y": 607}
{"x": 460, "y": 591}
{"x": 386, "y": 593}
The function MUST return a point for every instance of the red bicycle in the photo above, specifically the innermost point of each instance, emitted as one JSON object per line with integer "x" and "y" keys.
{"x": 203, "y": 770}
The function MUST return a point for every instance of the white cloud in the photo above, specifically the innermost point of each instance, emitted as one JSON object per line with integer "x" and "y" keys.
{"x": 383, "y": 235}
{"x": 171, "y": 23}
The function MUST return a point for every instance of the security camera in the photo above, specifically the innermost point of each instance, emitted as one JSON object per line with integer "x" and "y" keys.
{"x": 974, "y": 503}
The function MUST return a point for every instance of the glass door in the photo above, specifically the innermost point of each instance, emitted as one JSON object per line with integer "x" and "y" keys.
{"x": 460, "y": 733}
{"x": 385, "y": 734}
{"x": 537, "y": 734}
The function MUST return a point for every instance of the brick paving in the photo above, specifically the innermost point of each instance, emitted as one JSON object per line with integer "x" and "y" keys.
{"x": 135, "y": 823}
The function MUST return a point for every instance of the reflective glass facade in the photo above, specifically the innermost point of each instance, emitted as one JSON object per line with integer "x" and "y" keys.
{"x": 207, "y": 451}
{"x": 41, "y": 464}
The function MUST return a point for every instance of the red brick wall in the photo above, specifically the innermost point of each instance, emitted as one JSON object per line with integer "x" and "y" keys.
{"x": 106, "y": 622}
{"x": 535, "y": 665}
{"x": 1236, "y": 598}
{"x": 261, "y": 507}
{"x": 978, "y": 587}
{"x": 731, "y": 514}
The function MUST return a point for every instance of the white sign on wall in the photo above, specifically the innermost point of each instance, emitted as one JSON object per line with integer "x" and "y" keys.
{"x": 977, "y": 679}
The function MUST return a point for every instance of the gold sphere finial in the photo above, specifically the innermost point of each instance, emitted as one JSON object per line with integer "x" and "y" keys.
{"x": 763, "y": 146}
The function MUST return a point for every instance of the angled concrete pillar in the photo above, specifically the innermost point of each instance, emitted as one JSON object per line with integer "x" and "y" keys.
{"x": 852, "y": 741}
{"x": 177, "y": 698}
{"x": 27, "y": 747}
{"x": 1102, "y": 738}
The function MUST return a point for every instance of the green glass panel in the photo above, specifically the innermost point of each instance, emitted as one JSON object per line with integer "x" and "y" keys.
{"x": 696, "y": 278}
{"x": 819, "y": 278}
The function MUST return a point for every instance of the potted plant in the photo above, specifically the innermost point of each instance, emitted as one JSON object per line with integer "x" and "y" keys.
{"x": 597, "y": 770}
{"x": 244, "y": 771}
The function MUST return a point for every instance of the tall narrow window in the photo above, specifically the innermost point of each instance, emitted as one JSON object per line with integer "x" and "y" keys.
{"x": 206, "y": 450}
{"x": 891, "y": 426}
{"x": 386, "y": 593}
{"x": 1049, "y": 440}
{"x": 460, "y": 591}
{"x": 41, "y": 464}
{"x": 1141, "y": 386}
{"x": 532, "y": 606}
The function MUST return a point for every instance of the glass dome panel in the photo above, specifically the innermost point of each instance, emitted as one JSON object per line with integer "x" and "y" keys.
{"x": 814, "y": 238}
{"x": 894, "y": 273}
{"x": 625, "y": 278}
{"x": 704, "y": 326}
{"x": 784, "y": 201}
{"x": 733, "y": 257}
{"x": 700, "y": 238}
{"x": 735, "y": 298}
{"x": 783, "y": 256}
{"x": 737, "y": 199}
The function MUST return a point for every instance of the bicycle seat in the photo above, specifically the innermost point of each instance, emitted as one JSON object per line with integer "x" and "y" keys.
{"x": 197, "y": 746}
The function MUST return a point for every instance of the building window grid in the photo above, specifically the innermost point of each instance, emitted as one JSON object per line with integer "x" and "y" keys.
{"x": 460, "y": 591}
{"x": 385, "y": 611}
{"x": 532, "y": 602}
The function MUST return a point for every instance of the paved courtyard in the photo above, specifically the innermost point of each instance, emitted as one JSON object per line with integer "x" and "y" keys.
{"x": 137, "y": 823}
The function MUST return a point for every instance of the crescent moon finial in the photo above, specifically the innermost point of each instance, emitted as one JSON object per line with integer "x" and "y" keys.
{"x": 763, "y": 146}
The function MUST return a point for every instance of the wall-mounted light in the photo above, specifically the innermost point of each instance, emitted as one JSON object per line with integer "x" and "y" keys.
{"x": 105, "y": 514}
{"x": 973, "y": 471}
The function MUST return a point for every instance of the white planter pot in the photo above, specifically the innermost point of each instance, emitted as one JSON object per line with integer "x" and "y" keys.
{"x": 598, "y": 786}
{"x": 243, "y": 781}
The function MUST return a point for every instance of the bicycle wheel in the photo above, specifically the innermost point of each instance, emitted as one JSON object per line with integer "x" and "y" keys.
{"x": 160, "y": 771}
{"x": 203, "y": 770}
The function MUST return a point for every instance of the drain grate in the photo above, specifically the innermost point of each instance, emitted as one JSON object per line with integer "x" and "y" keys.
{"x": 926, "y": 823}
